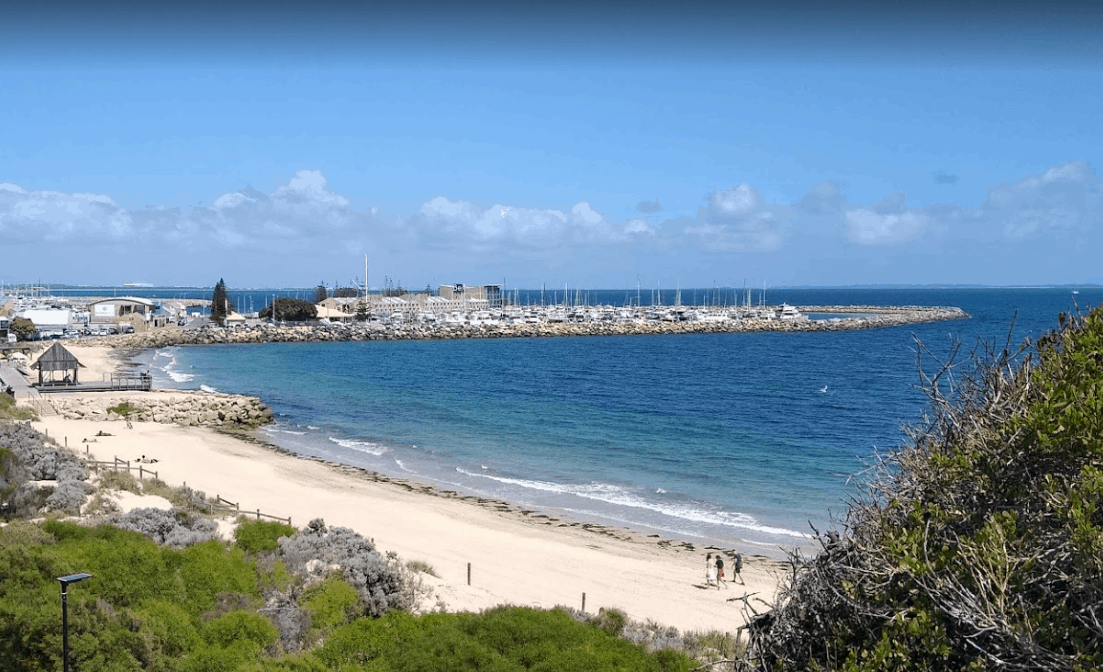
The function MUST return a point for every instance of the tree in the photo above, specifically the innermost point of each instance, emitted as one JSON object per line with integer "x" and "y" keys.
{"x": 294, "y": 310}
{"x": 22, "y": 327}
{"x": 220, "y": 303}
{"x": 320, "y": 293}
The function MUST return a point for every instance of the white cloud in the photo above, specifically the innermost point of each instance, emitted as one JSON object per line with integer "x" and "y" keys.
{"x": 1064, "y": 198}
{"x": 740, "y": 202}
{"x": 298, "y": 213}
{"x": 752, "y": 236}
{"x": 824, "y": 199}
{"x": 441, "y": 221}
{"x": 55, "y": 216}
{"x": 736, "y": 220}
{"x": 868, "y": 227}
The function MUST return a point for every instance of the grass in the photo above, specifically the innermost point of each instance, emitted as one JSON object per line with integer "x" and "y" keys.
{"x": 101, "y": 504}
{"x": 9, "y": 411}
{"x": 120, "y": 480}
{"x": 421, "y": 567}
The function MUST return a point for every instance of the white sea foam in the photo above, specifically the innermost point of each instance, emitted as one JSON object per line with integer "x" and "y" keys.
{"x": 280, "y": 430}
{"x": 170, "y": 366}
{"x": 402, "y": 466}
{"x": 362, "y": 446}
{"x": 208, "y": 389}
{"x": 612, "y": 494}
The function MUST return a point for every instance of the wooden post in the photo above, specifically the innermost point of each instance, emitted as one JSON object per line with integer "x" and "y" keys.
{"x": 67, "y": 442}
{"x": 469, "y": 573}
{"x": 258, "y": 514}
{"x": 584, "y": 603}
{"x": 141, "y": 475}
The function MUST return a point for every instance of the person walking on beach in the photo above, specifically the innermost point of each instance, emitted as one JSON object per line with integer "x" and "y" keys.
{"x": 720, "y": 572}
{"x": 710, "y": 571}
{"x": 739, "y": 567}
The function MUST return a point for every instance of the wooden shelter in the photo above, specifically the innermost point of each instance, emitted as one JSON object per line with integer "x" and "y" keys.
{"x": 57, "y": 358}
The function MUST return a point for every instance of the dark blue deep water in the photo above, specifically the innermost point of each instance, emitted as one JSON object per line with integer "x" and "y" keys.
{"x": 727, "y": 438}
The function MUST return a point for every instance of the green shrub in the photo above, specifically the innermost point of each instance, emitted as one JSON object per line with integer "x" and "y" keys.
{"x": 239, "y": 627}
{"x": 101, "y": 504}
{"x": 120, "y": 480}
{"x": 421, "y": 567}
{"x": 330, "y": 603}
{"x": 211, "y": 569}
{"x": 201, "y": 609}
{"x": 504, "y": 638}
{"x": 257, "y": 535}
{"x": 124, "y": 409}
{"x": 23, "y": 533}
{"x": 9, "y": 411}
{"x": 611, "y": 621}
{"x": 980, "y": 543}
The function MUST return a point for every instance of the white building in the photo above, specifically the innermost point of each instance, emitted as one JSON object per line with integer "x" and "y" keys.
{"x": 113, "y": 309}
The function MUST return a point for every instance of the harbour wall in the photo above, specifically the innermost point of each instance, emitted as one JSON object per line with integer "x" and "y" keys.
{"x": 191, "y": 409}
{"x": 872, "y": 317}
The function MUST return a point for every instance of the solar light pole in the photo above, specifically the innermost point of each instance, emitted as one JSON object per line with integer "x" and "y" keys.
{"x": 65, "y": 581}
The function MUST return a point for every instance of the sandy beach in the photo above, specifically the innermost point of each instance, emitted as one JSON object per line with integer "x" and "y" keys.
{"x": 516, "y": 557}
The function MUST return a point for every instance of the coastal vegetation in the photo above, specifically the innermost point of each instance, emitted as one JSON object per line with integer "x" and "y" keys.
{"x": 979, "y": 544}
{"x": 202, "y": 604}
{"x": 169, "y": 595}
{"x": 220, "y": 302}
{"x": 288, "y": 309}
{"x": 9, "y": 411}
{"x": 22, "y": 327}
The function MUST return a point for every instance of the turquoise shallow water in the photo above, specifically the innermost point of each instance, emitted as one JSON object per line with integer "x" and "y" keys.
{"x": 725, "y": 438}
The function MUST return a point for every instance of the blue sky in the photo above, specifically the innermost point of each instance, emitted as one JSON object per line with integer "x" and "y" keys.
{"x": 590, "y": 143}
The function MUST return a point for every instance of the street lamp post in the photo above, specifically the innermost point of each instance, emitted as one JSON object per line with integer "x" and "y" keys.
{"x": 65, "y": 581}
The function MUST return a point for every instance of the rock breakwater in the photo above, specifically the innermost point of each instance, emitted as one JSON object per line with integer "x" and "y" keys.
{"x": 191, "y": 409}
{"x": 872, "y": 317}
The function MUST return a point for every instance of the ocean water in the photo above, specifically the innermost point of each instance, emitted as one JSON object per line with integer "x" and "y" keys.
{"x": 744, "y": 441}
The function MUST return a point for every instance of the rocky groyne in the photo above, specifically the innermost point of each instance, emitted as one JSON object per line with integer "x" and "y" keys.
{"x": 872, "y": 317}
{"x": 191, "y": 409}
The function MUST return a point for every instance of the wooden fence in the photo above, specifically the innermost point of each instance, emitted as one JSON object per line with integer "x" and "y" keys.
{"x": 218, "y": 504}
{"x": 225, "y": 505}
{"x": 121, "y": 465}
